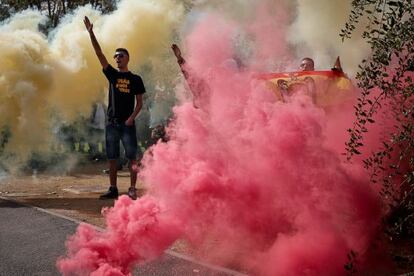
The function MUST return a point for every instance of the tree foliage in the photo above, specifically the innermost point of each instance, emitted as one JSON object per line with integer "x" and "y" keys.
{"x": 53, "y": 9}
{"x": 386, "y": 82}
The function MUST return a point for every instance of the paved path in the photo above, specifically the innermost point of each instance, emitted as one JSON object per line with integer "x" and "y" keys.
{"x": 31, "y": 240}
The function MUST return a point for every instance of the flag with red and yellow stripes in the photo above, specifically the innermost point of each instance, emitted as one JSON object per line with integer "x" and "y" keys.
{"x": 326, "y": 87}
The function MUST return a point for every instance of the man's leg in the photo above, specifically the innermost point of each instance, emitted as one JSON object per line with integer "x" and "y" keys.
{"x": 113, "y": 189}
{"x": 129, "y": 141}
{"x": 112, "y": 136}
{"x": 122, "y": 160}
{"x": 133, "y": 173}
{"x": 113, "y": 170}
{"x": 132, "y": 191}
{"x": 119, "y": 161}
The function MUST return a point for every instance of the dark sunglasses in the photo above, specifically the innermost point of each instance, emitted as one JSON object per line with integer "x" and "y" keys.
{"x": 119, "y": 55}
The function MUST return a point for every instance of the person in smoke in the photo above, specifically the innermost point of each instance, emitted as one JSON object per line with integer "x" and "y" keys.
{"x": 124, "y": 88}
{"x": 307, "y": 85}
{"x": 198, "y": 87}
{"x": 307, "y": 64}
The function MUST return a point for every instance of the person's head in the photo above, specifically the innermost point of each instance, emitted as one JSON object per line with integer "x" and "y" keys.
{"x": 307, "y": 64}
{"x": 121, "y": 57}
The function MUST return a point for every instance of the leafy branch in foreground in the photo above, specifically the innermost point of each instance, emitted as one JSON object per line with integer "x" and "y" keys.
{"x": 387, "y": 98}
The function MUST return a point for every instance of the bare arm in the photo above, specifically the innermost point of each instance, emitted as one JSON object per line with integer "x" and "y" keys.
{"x": 95, "y": 44}
{"x": 180, "y": 59}
{"x": 137, "y": 109}
{"x": 198, "y": 86}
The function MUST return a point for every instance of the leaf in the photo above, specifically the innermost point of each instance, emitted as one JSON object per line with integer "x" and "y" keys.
{"x": 355, "y": 151}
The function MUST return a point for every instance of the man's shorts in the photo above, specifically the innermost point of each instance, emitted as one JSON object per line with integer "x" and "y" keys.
{"x": 116, "y": 132}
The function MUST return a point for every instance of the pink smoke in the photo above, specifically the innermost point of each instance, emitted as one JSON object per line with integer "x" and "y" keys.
{"x": 270, "y": 35}
{"x": 135, "y": 232}
{"x": 248, "y": 182}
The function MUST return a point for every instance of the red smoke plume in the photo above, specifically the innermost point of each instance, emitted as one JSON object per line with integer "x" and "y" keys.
{"x": 248, "y": 181}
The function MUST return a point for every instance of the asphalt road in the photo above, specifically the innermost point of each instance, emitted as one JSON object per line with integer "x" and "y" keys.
{"x": 32, "y": 239}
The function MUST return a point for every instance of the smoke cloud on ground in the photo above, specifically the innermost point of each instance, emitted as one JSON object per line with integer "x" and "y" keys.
{"x": 247, "y": 181}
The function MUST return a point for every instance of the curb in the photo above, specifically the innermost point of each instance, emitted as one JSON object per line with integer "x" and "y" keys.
{"x": 168, "y": 252}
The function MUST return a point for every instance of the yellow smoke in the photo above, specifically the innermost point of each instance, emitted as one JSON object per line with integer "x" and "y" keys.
{"x": 143, "y": 27}
{"x": 59, "y": 76}
{"x": 25, "y": 82}
{"x": 316, "y": 34}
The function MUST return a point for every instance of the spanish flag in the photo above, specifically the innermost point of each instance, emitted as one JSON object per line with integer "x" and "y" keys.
{"x": 326, "y": 87}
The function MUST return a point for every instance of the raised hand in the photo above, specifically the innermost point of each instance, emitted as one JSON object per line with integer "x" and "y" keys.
{"x": 95, "y": 44}
{"x": 177, "y": 53}
{"x": 337, "y": 66}
{"x": 88, "y": 24}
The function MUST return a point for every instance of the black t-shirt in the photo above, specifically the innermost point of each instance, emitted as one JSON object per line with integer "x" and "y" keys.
{"x": 123, "y": 86}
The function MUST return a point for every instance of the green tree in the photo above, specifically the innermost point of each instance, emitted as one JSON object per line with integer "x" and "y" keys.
{"x": 386, "y": 82}
{"x": 53, "y": 9}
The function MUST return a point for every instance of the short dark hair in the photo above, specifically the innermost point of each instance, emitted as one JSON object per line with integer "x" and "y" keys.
{"x": 122, "y": 50}
{"x": 308, "y": 59}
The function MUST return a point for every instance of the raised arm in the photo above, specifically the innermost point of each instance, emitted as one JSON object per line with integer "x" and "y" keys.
{"x": 95, "y": 44}
{"x": 198, "y": 86}
{"x": 337, "y": 66}
{"x": 180, "y": 59}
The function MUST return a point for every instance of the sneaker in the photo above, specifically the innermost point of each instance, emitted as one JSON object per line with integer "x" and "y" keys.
{"x": 132, "y": 193}
{"x": 111, "y": 193}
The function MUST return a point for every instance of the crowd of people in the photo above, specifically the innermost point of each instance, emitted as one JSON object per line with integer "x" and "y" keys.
{"x": 125, "y": 103}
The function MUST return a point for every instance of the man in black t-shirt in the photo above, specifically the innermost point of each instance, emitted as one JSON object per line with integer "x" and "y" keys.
{"x": 124, "y": 88}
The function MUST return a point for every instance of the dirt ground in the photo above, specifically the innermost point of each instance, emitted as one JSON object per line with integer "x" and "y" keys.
{"x": 75, "y": 194}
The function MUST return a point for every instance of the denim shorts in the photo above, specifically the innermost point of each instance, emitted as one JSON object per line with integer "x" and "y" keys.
{"x": 119, "y": 132}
